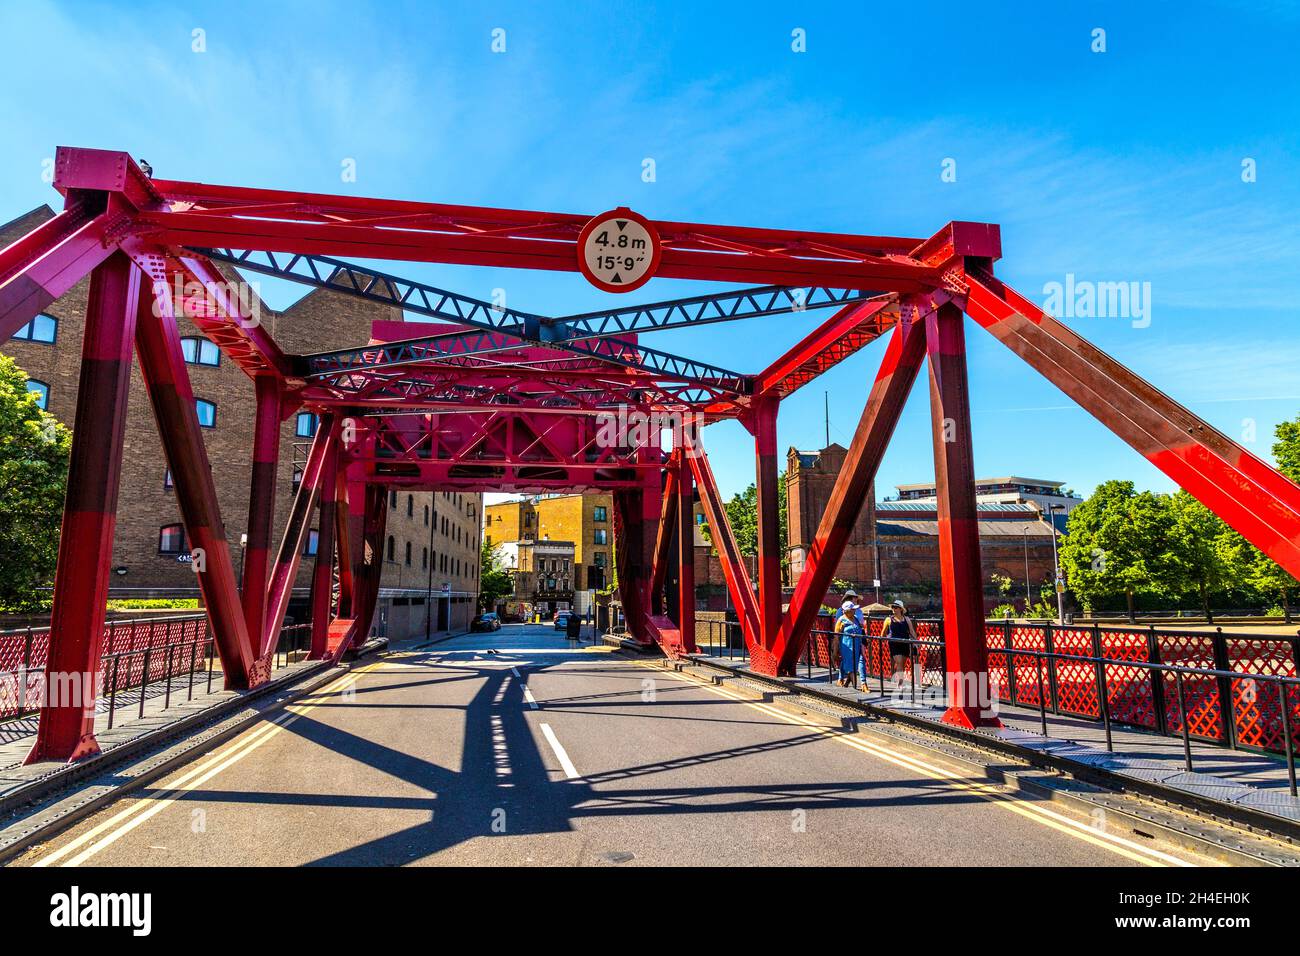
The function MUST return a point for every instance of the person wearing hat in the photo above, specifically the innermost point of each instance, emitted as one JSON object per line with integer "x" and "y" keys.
{"x": 901, "y": 630}
{"x": 850, "y": 634}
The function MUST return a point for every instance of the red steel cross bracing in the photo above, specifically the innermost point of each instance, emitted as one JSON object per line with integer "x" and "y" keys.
{"x": 473, "y": 397}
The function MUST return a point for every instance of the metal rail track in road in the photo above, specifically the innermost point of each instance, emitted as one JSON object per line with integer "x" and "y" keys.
{"x": 1108, "y": 810}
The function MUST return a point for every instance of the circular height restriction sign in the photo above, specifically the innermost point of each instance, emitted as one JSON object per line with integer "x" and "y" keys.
{"x": 618, "y": 251}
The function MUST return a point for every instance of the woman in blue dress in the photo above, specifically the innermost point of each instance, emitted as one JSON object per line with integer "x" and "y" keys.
{"x": 850, "y": 633}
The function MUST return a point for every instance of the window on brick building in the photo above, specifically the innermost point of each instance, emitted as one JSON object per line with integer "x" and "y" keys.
{"x": 40, "y": 390}
{"x": 43, "y": 328}
{"x": 305, "y": 426}
{"x": 171, "y": 539}
{"x": 601, "y": 536}
{"x": 199, "y": 351}
{"x": 207, "y": 412}
{"x": 168, "y": 484}
{"x": 392, "y": 548}
{"x": 426, "y": 516}
{"x": 408, "y": 554}
{"x": 424, "y": 560}
{"x": 392, "y": 499}
{"x": 600, "y": 559}
{"x": 297, "y": 477}
{"x": 313, "y": 543}
{"x": 599, "y": 514}
{"x": 410, "y": 506}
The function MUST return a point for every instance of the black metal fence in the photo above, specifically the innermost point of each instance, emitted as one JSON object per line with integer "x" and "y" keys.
{"x": 1237, "y": 690}
{"x": 141, "y": 660}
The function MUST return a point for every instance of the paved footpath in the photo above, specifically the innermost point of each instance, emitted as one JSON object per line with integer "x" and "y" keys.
{"x": 516, "y": 748}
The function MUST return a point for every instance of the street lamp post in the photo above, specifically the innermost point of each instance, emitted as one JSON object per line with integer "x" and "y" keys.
{"x": 1028, "y": 593}
{"x": 1056, "y": 566}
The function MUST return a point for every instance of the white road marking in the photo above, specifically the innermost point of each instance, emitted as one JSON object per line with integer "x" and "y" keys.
{"x": 570, "y": 770}
{"x": 528, "y": 696}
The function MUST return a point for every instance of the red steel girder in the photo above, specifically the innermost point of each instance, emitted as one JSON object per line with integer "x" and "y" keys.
{"x": 1255, "y": 499}
{"x": 848, "y": 331}
{"x": 210, "y": 216}
{"x": 44, "y": 264}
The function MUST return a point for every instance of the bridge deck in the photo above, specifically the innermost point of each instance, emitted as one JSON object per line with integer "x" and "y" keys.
{"x": 519, "y": 747}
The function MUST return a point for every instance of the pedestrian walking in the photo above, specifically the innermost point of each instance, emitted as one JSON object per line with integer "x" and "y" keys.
{"x": 850, "y": 641}
{"x": 901, "y": 630}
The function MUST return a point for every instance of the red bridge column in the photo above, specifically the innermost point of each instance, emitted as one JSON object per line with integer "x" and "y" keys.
{"x": 959, "y": 540}
{"x": 322, "y": 579}
{"x": 685, "y": 552}
{"x": 66, "y": 730}
{"x": 261, "y": 504}
{"x": 373, "y": 502}
{"x": 769, "y": 521}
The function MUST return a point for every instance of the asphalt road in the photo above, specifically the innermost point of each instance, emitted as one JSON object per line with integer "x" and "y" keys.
{"x": 542, "y": 754}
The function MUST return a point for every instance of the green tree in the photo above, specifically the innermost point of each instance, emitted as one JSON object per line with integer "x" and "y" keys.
{"x": 34, "y": 450}
{"x": 1198, "y": 564}
{"x": 495, "y": 582}
{"x": 742, "y": 515}
{"x": 1118, "y": 542}
{"x": 1286, "y": 450}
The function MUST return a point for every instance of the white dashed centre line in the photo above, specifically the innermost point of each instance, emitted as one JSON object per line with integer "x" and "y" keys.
{"x": 570, "y": 770}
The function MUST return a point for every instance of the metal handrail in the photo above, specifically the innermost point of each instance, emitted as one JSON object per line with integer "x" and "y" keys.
{"x": 1180, "y": 672}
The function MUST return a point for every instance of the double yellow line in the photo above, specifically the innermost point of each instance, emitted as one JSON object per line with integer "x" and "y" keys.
{"x": 105, "y": 834}
{"x": 1145, "y": 855}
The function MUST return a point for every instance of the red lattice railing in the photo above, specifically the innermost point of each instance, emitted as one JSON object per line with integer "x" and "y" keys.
{"x": 1135, "y": 695}
{"x": 130, "y": 652}
{"x": 1024, "y": 669}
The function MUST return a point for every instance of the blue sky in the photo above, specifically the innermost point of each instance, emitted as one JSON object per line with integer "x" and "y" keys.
{"x": 1122, "y": 166}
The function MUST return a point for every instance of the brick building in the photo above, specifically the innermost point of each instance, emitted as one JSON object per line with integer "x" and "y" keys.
{"x": 587, "y": 520}
{"x": 809, "y": 477}
{"x": 542, "y": 573}
{"x": 149, "y": 550}
{"x": 897, "y": 541}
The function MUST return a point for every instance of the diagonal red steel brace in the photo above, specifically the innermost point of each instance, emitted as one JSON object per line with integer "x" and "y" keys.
{"x": 162, "y": 365}
{"x": 295, "y": 534}
{"x": 733, "y": 565}
{"x": 1255, "y": 499}
{"x": 44, "y": 264}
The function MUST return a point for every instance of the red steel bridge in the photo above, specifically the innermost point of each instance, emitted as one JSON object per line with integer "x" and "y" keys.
{"x": 485, "y": 398}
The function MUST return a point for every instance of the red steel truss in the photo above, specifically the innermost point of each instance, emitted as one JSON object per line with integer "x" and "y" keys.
{"x": 488, "y": 399}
